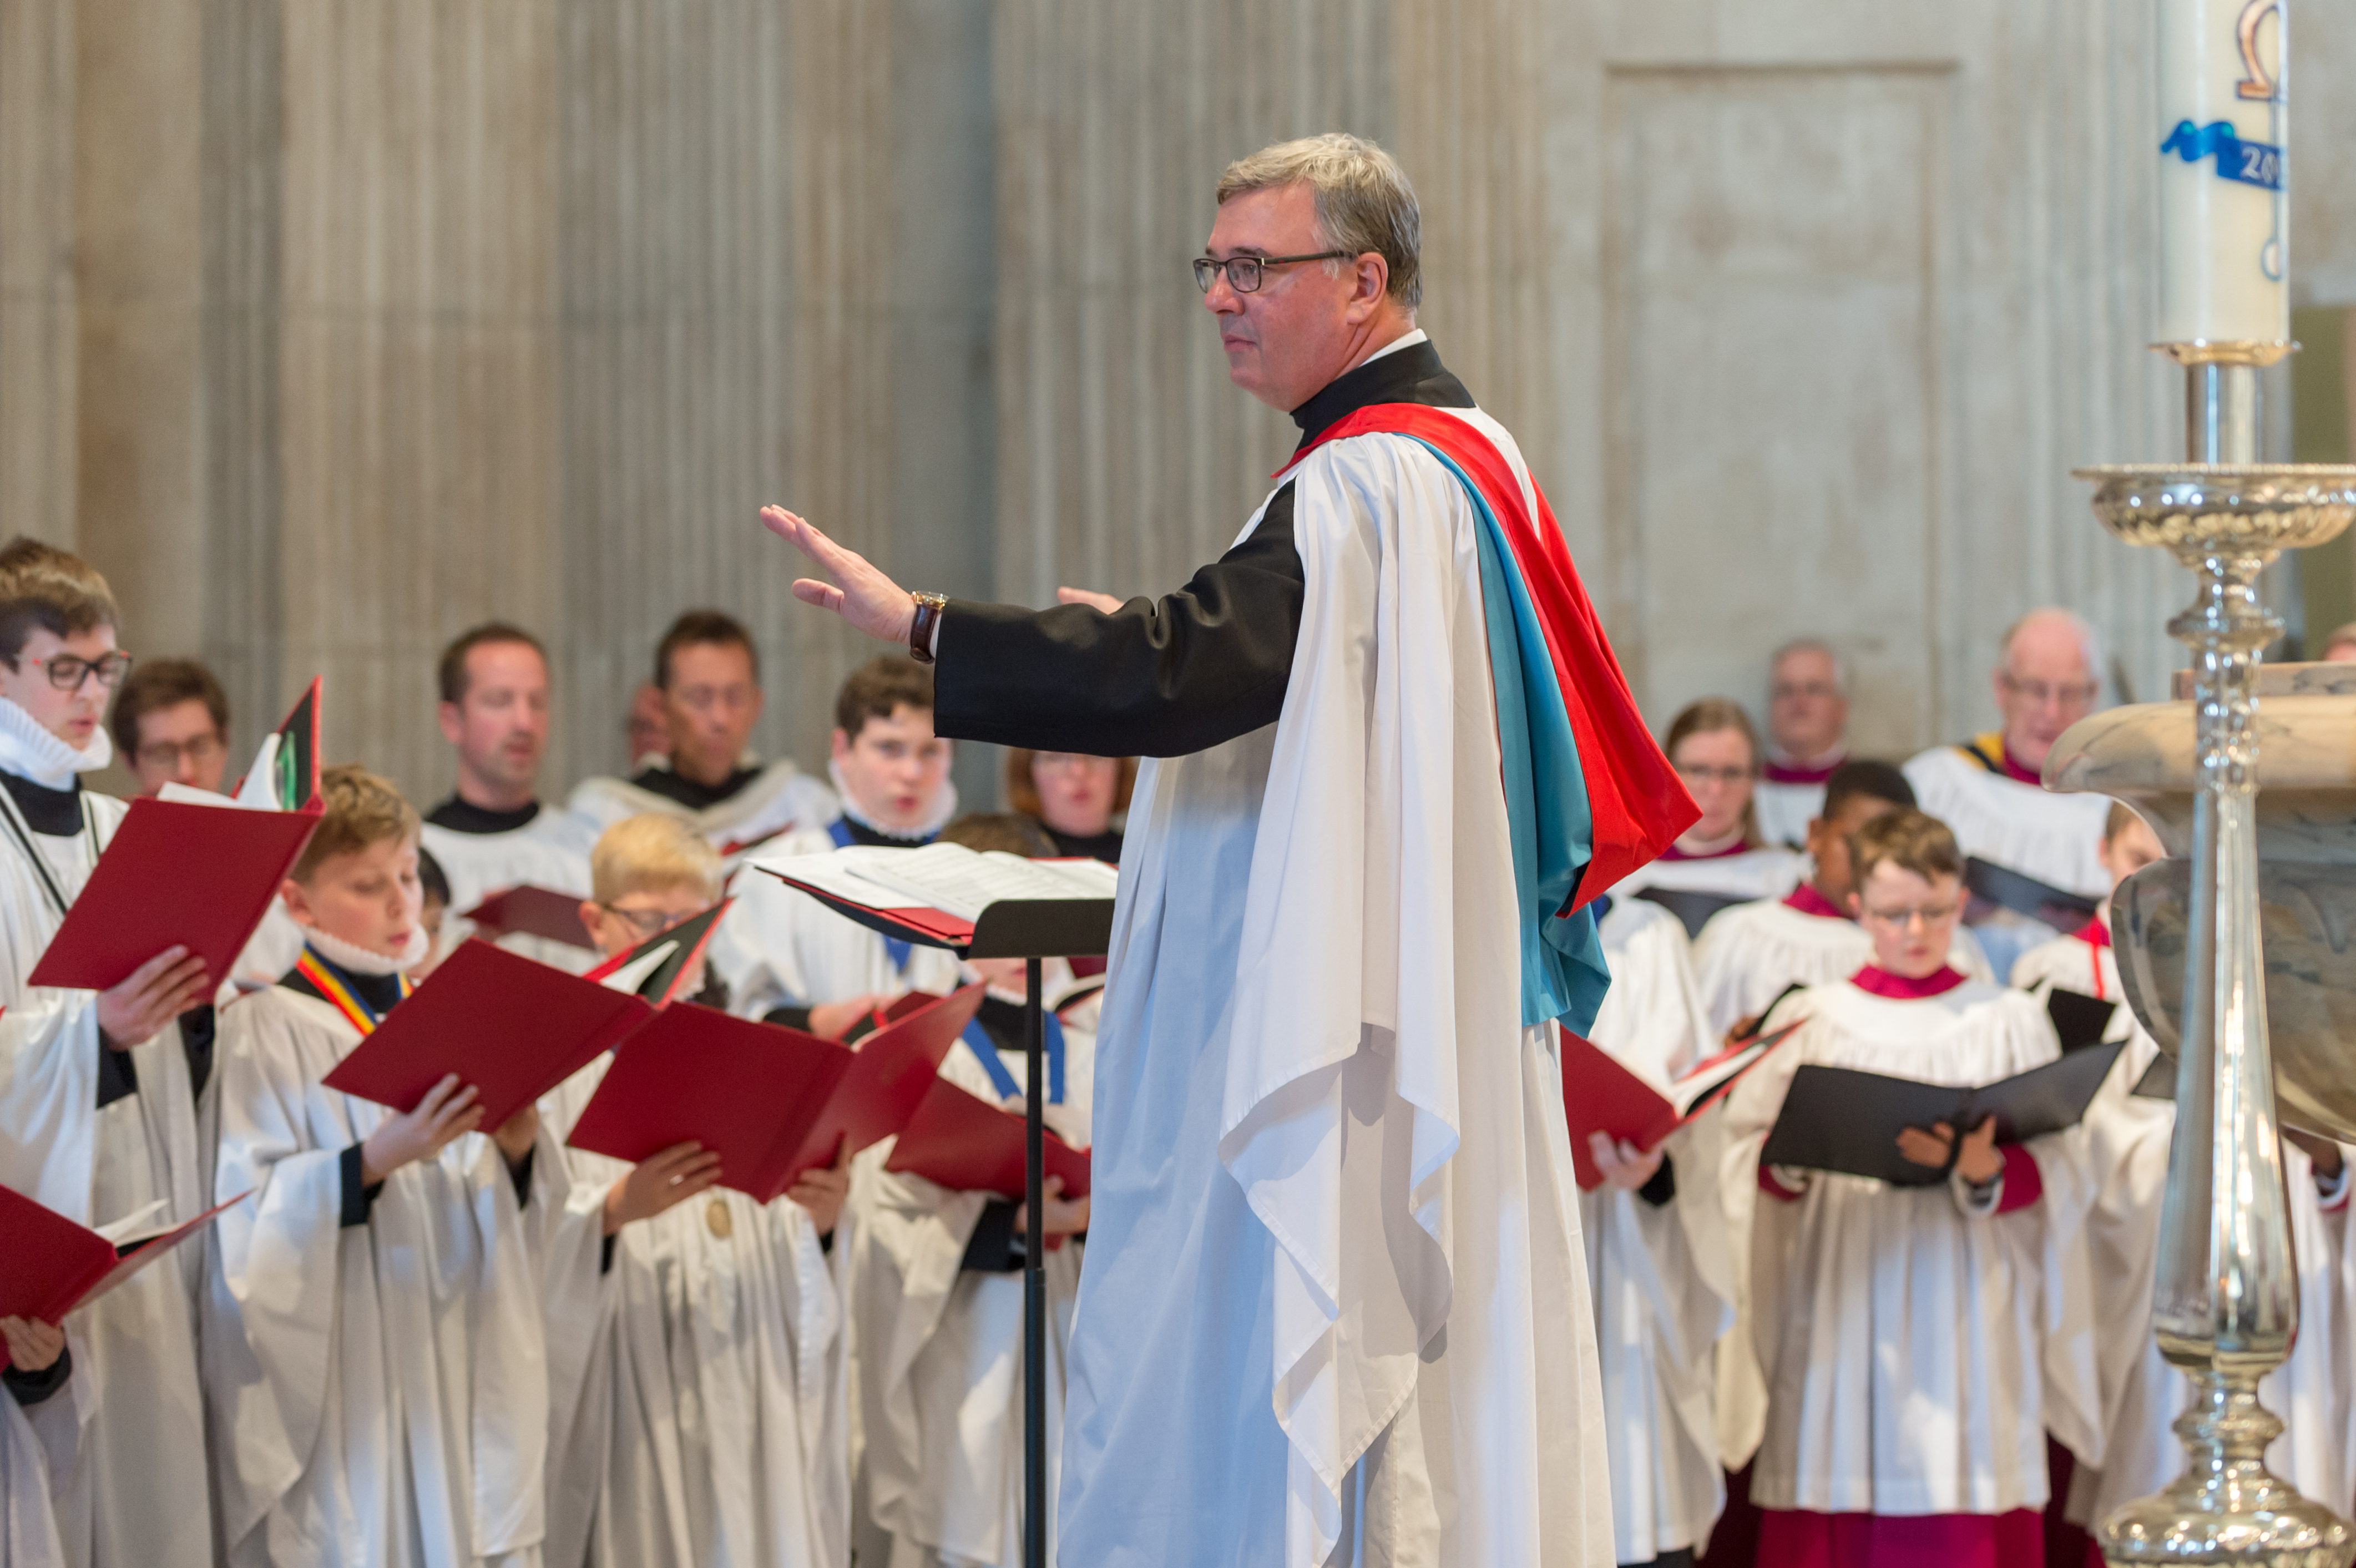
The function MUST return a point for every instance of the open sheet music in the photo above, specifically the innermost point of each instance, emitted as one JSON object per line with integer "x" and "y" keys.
{"x": 946, "y": 877}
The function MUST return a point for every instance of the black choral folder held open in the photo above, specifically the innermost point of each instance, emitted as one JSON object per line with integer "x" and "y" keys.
{"x": 1838, "y": 1118}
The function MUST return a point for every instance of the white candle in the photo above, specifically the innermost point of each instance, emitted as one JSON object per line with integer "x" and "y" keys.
{"x": 2224, "y": 217}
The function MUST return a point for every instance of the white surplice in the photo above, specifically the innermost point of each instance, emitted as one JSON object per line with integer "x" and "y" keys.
{"x": 941, "y": 1362}
{"x": 1334, "y": 1305}
{"x": 550, "y": 851}
{"x": 2314, "y": 1391}
{"x": 1661, "y": 1276}
{"x": 1747, "y": 955}
{"x": 782, "y": 798}
{"x": 1784, "y": 810}
{"x": 779, "y": 947}
{"x": 697, "y": 1386}
{"x": 1916, "y": 1350}
{"x": 138, "y": 1492}
{"x": 39, "y": 1447}
{"x": 379, "y": 1390}
{"x": 1765, "y": 874}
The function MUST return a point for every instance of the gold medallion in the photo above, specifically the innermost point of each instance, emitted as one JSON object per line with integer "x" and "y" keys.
{"x": 716, "y": 1220}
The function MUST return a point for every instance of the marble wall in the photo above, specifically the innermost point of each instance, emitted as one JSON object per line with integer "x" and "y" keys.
{"x": 329, "y": 327}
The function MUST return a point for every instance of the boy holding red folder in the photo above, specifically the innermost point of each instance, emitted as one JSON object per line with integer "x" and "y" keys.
{"x": 99, "y": 1090}
{"x": 374, "y": 1351}
{"x": 696, "y": 1346}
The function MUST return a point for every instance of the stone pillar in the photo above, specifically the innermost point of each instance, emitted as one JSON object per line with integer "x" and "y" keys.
{"x": 37, "y": 345}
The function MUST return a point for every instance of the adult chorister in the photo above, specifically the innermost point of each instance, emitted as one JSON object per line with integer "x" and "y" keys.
{"x": 1327, "y": 1065}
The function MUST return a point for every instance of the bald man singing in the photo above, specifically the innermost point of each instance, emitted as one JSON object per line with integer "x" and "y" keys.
{"x": 2034, "y": 860}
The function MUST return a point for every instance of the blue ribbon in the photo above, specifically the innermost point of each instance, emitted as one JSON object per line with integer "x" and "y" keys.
{"x": 2246, "y": 163}
{"x": 898, "y": 951}
{"x": 1000, "y": 1078}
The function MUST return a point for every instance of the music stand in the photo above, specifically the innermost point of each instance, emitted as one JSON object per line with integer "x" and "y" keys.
{"x": 1033, "y": 930}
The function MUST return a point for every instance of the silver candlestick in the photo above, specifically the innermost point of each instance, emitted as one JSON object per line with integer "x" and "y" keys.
{"x": 2225, "y": 1304}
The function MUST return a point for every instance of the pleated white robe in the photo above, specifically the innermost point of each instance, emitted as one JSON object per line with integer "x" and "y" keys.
{"x": 942, "y": 1364}
{"x": 37, "y": 1447}
{"x": 698, "y": 1388}
{"x": 137, "y": 1492}
{"x": 550, "y": 851}
{"x": 379, "y": 1391}
{"x": 2314, "y": 1391}
{"x": 1661, "y": 1278}
{"x": 1334, "y": 1303}
{"x": 1915, "y": 1352}
{"x": 781, "y": 797}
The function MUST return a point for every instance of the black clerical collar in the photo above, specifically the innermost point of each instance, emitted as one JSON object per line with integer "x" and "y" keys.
{"x": 858, "y": 832}
{"x": 52, "y": 813}
{"x": 1105, "y": 846}
{"x": 677, "y": 786}
{"x": 1411, "y": 375}
{"x": 461, "y": 816}
{"x": 377, "y": 992}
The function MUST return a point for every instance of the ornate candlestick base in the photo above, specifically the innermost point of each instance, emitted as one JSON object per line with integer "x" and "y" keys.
{"x": 2227, "y": 1507}
{"x": 2226, "y": 1301}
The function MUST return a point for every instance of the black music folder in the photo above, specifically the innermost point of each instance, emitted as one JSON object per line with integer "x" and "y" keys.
{"x": 1838, "y": 1118}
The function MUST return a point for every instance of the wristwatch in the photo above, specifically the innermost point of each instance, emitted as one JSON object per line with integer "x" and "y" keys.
{"x": 928, "y": 622}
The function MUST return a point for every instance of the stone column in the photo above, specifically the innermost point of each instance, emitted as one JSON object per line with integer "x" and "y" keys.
{"x": 37, "y": 344}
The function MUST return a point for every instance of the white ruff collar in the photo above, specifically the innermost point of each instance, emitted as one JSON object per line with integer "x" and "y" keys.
{"x": 30, "y": 751}
{"x": 357, "y": 960}
{"x": 945, "y": 810}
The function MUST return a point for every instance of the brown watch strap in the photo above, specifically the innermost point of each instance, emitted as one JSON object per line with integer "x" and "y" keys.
{"x": 927, "y": 622}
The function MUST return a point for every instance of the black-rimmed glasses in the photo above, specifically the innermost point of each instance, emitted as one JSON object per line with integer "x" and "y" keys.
{"x": 1244, "y": 271}
{"x": 67, "y": 671}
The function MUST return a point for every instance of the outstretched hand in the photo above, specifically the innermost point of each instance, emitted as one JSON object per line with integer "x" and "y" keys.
{"x": 855, "y": 590}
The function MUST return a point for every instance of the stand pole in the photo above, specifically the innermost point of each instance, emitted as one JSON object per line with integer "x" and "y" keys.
{"x": 1034, "y": 1281}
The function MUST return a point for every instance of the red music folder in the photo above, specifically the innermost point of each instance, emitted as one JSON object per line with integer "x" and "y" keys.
{"x": 526, "y": 910}
{"x": 771, "y": 1102}
{"x": 176, "y": 873}
{"x": 1600, "y": 1096}
{"x": 509, "y": 1026}
{"x": 56, "y": 1265}
{"x": 967, "y": 1144}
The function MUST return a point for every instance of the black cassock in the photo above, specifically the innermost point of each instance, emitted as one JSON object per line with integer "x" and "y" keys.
{"x": 1160, "y": 679}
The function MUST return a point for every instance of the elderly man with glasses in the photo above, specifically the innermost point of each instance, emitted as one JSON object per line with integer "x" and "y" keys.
{"x": 2033, "y": 860}
{"x": 1337, "y": 1305}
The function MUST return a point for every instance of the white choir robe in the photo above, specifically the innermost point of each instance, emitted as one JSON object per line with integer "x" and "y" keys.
{"x": 138, "y": 1493}
{"x": 1764, "y": 874}
{"x": 1784, "y": 810}
{"x": 697, "y": 1388}
{"x": 1335, "y": 1295}
{"x": 941, "y": 1360}
{"x": 779, "y": 947}
{"x": 781, "y": 798}
{"x": 39, "y": 1448}
{"x": 2056, "y": 838}
{"x": 550, "y": 851}
{"x": 1661, "y": 1278}
{"x": 1747, "y": 955}
{"x": 2314, "y": 1391}
{"x": 379, "y": 1391}
{"x": 1915, "y": 1352}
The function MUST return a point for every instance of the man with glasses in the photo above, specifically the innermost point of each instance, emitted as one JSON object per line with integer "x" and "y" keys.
{"x": 495, "y": 832}
{"x": 2033, "y": 862}
{"x": 1808, "y": 738}
{"x": 99, "y": 1092}
{"x": 171, "y": 725}
{"x": 710, "y": 676}
{"x": 1337, "y": 1303}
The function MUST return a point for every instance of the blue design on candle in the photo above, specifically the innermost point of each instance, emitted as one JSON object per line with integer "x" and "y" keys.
{"x": 2247, "y": 162}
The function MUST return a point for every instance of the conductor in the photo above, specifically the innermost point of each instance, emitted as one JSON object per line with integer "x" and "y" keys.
{"x": 1334, "y": 1295}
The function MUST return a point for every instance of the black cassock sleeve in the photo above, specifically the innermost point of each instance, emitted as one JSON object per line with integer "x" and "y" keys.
{"x": 1204, "y": 665}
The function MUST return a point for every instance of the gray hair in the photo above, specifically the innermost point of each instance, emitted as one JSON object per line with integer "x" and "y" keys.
{"x": 1812, "y": 646}
{"x": 2090, "y": 646}
{"x": 1364, "y": 201}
